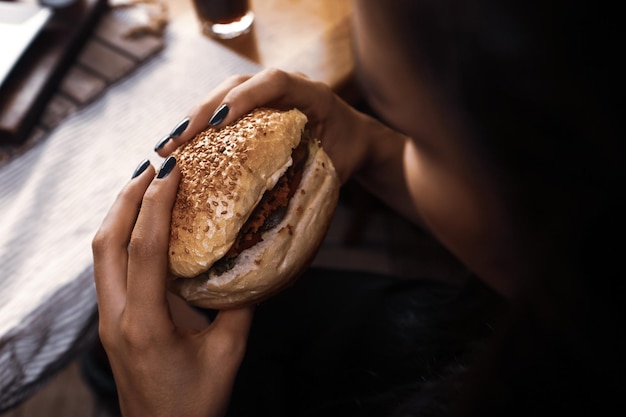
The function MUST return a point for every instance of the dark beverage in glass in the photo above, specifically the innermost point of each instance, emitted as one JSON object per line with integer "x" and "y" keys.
{"x": 224, "y": 19}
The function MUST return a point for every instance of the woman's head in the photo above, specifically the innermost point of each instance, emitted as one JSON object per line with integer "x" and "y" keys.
{"x": 509, "y": 105}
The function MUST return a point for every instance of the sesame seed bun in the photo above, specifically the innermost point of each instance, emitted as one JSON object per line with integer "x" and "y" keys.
{"x": 225, "y": 173}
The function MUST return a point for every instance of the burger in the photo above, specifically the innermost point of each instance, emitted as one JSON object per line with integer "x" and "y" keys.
{"x": 253, "y": 206}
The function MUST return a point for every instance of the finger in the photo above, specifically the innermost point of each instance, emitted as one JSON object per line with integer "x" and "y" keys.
{"x": 111, "y": 242}
{"x": 146, "y": 302}
{"x": 199, "y": 116}
{"x": 275, "y": 88}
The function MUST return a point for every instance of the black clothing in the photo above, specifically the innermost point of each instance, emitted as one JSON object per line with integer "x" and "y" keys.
{"x": 359, "y": 344}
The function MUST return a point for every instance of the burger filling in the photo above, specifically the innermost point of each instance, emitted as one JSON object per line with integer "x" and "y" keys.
{"x": 270, "y": 211}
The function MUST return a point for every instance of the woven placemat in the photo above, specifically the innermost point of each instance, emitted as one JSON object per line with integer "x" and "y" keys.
{"x": 127, "y": 36}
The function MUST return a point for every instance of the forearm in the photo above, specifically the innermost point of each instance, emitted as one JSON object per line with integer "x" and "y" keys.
{"x": 382, "y": 171}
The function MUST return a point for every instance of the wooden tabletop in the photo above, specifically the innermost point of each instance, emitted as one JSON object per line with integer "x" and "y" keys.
{"x": 312, "y": 37}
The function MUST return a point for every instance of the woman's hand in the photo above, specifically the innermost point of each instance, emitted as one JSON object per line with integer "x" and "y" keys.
{"x": 358, "y": 145}
{"x": 340, "y": 128}
{"x": 159, "y": 369}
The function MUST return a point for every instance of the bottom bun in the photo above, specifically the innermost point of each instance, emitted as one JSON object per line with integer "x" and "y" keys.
{"x": 285, "y": 251}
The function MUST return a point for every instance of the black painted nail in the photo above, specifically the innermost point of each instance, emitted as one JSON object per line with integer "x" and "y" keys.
{"x": 141, "y": 168}
{"x": 167, "y": 167}
{"x": 180, "y": 128}
{"x": 219, "y": 116}
{"x": 161, "y": 143}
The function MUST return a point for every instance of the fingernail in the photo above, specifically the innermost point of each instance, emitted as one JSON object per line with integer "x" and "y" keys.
{"x": 180, "y": 128}
{"x": 167, "y": 167}
{"x": 141, "y": 168}
{"x": 161, "y": 143}
{"x": 219, "y": 116}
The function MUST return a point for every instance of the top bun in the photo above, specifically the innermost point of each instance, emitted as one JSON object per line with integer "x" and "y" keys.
{"x": 250, "y": 155}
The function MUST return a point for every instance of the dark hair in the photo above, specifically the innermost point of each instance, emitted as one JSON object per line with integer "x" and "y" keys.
{"x": 538, "y": 85}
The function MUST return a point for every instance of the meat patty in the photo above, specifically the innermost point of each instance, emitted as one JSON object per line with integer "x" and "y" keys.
{"x": 273, "y": 205}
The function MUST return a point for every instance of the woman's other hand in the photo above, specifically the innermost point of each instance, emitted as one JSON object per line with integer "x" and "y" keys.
{"x": 337, "y": 125}
{"x": 160, "y": 369}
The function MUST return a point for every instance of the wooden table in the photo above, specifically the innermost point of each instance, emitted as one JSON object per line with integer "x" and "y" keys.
{"x": 312, "y": 37}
